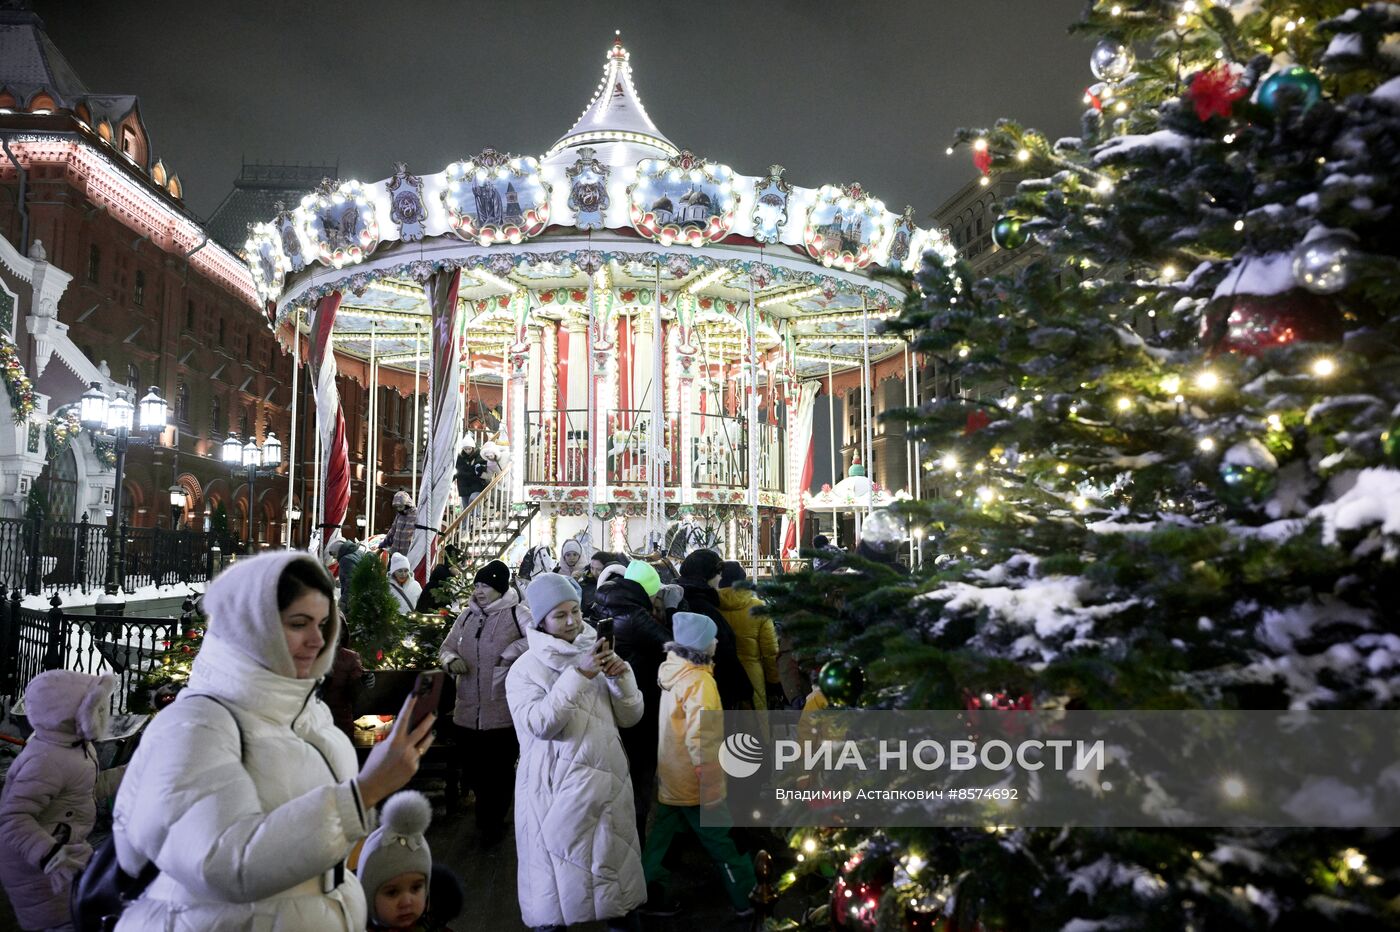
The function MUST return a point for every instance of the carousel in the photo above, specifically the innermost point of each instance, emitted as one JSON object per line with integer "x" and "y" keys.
{"x": 657, "y": 325}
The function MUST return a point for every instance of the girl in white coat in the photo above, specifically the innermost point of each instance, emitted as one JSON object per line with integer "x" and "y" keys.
{"x": 575, "y": 828}
{"x": 243, "y": 792}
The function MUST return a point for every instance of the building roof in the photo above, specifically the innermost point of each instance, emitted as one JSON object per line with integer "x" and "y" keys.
{"x": 255, "y": 196}
{"x": 615, "y": 115}
{"x": 29, "y": 61}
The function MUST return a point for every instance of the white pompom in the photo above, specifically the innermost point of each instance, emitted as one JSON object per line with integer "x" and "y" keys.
{"x": 407, "y": 813}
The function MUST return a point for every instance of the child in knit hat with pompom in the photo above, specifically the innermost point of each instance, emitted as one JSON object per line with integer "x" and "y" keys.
{"x": 396, "y": 871}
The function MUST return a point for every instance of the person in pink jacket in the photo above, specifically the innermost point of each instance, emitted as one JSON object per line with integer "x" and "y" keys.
{"x": 49, "y": 803}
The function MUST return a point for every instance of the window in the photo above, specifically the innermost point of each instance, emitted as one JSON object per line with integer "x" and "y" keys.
{"x": 128, "y": 141}
{"x": 243, "y": 425}
{"x": 182, "y": 403}
{"x": 221, "y": 331}
{"x": 139, "y": 295}
{"x": 94, "y": 263}
{"x": 248, "y": 347}
{"x": 216, "y": 417}
{"x": 133, "y": 375}
{"x": 189, "y": 315}
{"x": 979, "y": 226}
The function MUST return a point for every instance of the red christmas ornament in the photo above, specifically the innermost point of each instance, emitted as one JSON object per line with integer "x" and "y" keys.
{"x": 1251, "y": 324}
{"x": 976, "y": 420}
{"x": 1094, "y": 100}
{"x": 1214, "y": 92}
{"x": 982, "y": 158}
{"x": 854, "y": 902}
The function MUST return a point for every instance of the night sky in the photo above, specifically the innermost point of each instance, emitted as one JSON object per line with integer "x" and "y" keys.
{"x": 835, "y": 91}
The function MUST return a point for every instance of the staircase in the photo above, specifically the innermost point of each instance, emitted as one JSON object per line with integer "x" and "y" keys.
{"x": 489, "y": 525}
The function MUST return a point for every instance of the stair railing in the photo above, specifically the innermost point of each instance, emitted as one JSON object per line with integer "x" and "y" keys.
{"x": 476, "y": 523}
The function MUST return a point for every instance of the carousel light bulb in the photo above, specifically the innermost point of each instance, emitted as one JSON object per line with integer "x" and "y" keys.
{"x": 1324, "y": 366}
{"x": 1206, "y": 444}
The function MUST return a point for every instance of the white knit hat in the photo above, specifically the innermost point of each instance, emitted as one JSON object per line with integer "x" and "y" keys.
{"x": 397, "y": 846}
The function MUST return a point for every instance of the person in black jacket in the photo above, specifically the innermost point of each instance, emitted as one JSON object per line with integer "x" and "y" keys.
{"x": 601, "y": 560}
{"x": 641, "y": 641}
{"x": 471, "y": 472}
{"x": 700, "y": 574}
{"x": 435, "y": 596}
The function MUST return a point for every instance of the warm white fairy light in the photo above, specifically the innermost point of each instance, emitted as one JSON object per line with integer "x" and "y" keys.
{"x": 1233, "y": 787}
{"x": 1239, "y": 226}
{"x": 1324, "y": 366}
{"x": 1171, "y": 384}
{"x": 1061, "y": 468}
{"x": 980, "y": 145}
{"x": 963, "y": 351}
{"x": 949, "y": 462}
{"x": 1274, "y": 421}
{"x": 984, "y": 181}
{"x": 796, "y": 295}
{"x": 948, "y": 151}
{"x": 1024, "y": 155}
{"x": 985, "y": 493}
{"x": 1168, "y": 272}
{"x": 1354, "y": 860}
{"x": 1124, "y": 403}
{"x": 1207, "y": 380}
{"x": 1104, "y": 186}
{"x": 713, "y": 276}
{"x": 1207, "y": 444}
{"x": 1080, "y": 503}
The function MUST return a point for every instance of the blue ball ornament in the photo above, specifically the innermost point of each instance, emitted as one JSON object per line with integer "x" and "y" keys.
{"x": 1304, "y": 85}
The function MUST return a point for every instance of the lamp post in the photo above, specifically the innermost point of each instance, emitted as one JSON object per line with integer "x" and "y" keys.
{"x": 256, "y": 461}
{"x": 293, "y": 516}
{"x": 177, "y": 506}
{"x": 116, "y": 416}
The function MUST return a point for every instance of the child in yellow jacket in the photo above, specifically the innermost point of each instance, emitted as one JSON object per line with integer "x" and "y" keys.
{"x": 688, "y": 772}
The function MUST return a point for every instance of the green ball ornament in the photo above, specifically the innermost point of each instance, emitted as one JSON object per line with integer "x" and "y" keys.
{"x": 1007, "y": 233}
{"x": 1304, "y": 84}
{"x": 1243, "y": 486}
{"x": 841, "y": 681}
{"x": 1390, "y": 442}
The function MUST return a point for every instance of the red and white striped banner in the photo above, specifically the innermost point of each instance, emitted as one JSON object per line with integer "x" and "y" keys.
{"x": 800, "y": 462}
{"x": 330, "y": 423}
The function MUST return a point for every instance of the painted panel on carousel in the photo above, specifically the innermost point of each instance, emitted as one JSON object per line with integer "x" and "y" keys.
{"x": 902, "y": 242}
{"x": 340, "y": 223}
{"x": 588, "y": 190}
{"x": 683, "y": 200}
{"x": 406, "y": 203}
{"x": 266, "y": 261}
{"x": 285, "y": 223}
{"x": 844, "y": 227}
{"x": 770, "y": 208}
{"x": 494, "y": 198}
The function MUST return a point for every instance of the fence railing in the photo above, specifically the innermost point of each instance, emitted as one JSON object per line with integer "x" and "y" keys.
{"x": 556, "y": 447}
{"x": 40, "y": 555}
{"x": 35, "y": 640}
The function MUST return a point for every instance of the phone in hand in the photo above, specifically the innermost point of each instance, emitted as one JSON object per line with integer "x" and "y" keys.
{"x": 604, "y": 628}
{"x": 428, "y": 691}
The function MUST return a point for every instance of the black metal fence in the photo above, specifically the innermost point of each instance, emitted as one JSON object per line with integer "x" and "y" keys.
{"x": 39, "y": 555}
{"x": 35, "y": 640}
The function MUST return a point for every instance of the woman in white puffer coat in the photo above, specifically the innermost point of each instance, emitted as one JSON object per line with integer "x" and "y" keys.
{"x": 49, "y": 802}
{"x": 243, "y": 792}
{"x": 575, "y": 828}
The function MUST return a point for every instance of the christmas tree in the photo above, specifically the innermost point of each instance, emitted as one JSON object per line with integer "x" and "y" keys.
{"x": 1178, "y": 488}
{"x": 376, "y": 627}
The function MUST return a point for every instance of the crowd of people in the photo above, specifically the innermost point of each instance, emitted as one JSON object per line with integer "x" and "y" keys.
{"x": 580, "y": 690}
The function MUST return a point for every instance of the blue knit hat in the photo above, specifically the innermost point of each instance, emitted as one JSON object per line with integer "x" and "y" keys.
{"x": 693, "y": 630}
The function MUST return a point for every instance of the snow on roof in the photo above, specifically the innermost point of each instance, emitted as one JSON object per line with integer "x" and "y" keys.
{"x": 615, "y": 114}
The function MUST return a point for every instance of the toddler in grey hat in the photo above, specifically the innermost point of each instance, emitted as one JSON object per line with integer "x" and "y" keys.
{"x": 395, "y": 863}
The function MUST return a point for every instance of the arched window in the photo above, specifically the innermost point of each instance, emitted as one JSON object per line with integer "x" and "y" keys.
{"x": 189, "y": 315}
{"x": 248, "y": 347}
{"x": 182, "y": 403}
{"x": 243, "y": 425}
{"x": 133, "y": 374}
{"x": 94, "y": 263}
{"x": 138, "y": 297}
{"x": 221, "y": 331}
{"x": 216, "y": 417}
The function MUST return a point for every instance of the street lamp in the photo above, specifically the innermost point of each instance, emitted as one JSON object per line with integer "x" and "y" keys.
{"x": 115, "y": 416}
{"x": 177, "y": 505}
{"x": 255, "y": 461}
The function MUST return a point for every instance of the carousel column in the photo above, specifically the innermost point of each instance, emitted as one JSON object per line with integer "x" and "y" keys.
{"x": 515, "y": 418}
{"x": 532, "y": 434}
{"x": 549, "y": 404}
{"x": 640, "y": 380}
{"x": 576, "y": 432}
{"x": 685, "y": 383}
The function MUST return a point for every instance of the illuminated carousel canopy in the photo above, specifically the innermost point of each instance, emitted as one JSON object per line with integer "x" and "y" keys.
{"x": 613, "y": 204}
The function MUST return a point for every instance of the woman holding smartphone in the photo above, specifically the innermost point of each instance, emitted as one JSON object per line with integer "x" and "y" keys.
{"x": 576, "y": 834}
{"x": 243, "y": 793}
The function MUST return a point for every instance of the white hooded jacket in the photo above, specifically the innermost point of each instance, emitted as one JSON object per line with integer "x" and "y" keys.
{"x": 575, "y": 826}
{"x": 50, "y": 788}
{"x": 247, "y": 821}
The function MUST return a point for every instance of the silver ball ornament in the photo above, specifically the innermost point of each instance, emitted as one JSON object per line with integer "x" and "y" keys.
{"x": 1111, "y": 61}
{"x": 1323, "y": 264}
{"x": 883, "y": 530}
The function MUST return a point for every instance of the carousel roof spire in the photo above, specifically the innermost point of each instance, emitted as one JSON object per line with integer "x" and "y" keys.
{"x": 615, "y": 114}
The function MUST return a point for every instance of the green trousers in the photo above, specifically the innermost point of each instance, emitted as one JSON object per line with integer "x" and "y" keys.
{"x": 735, "y": 869}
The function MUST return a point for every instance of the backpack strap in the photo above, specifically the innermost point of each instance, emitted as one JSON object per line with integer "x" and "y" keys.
{"x": 516, "y": 618}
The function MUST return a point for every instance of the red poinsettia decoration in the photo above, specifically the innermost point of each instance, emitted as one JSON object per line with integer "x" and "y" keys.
{"x": 982, "y": 158}
{"x": 1214, "y": 92}
{"x": 976, "y": 420}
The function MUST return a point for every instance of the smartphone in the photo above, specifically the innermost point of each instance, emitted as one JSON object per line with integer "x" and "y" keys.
{"x": 604, "y": 628}
{"x": 428, "y": 690}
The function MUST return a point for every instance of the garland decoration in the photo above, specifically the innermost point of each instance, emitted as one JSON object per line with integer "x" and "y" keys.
{"x": 20, "y": 389}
